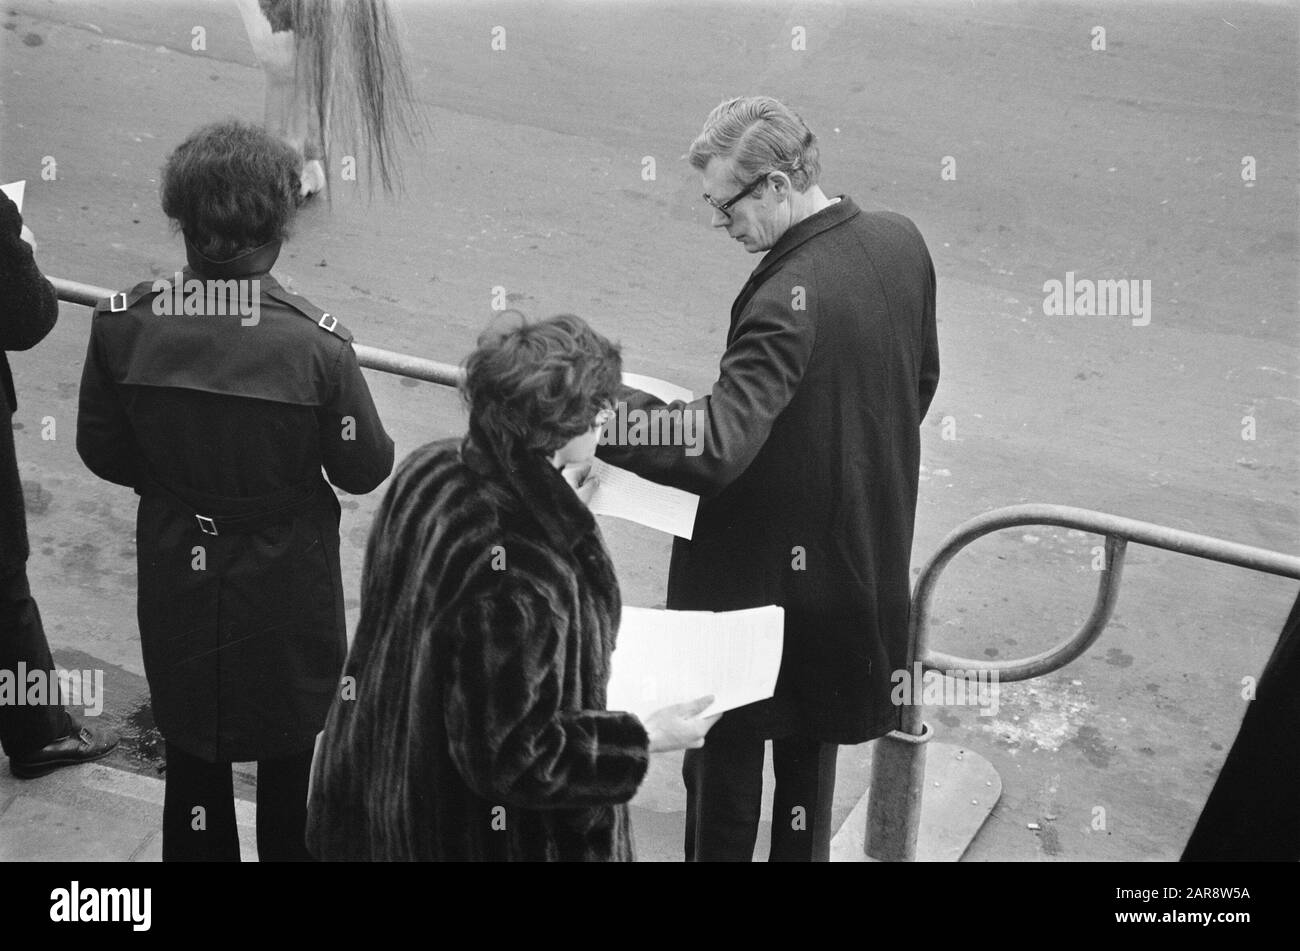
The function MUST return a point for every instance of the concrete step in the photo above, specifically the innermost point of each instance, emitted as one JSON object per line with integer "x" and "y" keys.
{"x": 93, "y": 813}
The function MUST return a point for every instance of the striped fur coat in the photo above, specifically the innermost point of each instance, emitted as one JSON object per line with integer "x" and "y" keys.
{"x": 470, "y": 723}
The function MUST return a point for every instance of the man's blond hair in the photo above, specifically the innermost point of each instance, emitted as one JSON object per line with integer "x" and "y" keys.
{"x": 759, "y": 133}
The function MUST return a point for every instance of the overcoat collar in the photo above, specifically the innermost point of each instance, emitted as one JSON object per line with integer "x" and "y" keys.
{"x": 250, "y": 263}
{"x": 829, "y": 217}
{"x": 536, "y": 485}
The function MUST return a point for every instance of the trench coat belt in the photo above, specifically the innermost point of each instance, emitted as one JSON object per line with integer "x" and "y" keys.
{"x": 252, "y": 513}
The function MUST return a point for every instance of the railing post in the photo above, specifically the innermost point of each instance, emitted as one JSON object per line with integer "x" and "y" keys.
{"x": 894, "y": 800}
{"x": 898, "y": 769}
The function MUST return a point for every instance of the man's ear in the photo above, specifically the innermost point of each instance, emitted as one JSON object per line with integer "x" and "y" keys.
{"x": 781, "y": 185}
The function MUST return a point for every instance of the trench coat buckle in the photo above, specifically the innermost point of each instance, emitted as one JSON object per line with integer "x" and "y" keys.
{"x": 327, "y": 322}
{"x": 112, "y": 303}
{"x": 206, "y": 525}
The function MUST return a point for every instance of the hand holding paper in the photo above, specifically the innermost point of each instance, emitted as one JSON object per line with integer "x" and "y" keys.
{"x": 581, "y": 480}
{"x": 679, "y": 727}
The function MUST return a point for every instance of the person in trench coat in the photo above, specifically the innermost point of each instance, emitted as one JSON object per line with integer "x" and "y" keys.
{"x": 807, "y": 468}
{"x": 218, "y": 398}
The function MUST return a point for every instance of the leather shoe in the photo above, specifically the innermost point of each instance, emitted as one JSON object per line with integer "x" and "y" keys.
{"x": 82, "y": 745}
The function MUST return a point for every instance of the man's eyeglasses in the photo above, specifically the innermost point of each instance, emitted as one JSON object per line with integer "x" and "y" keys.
{"x": 726, "y": 206}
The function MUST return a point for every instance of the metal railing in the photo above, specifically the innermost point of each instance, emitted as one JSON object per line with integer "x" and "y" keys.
{"x": 898, "y": 764}
{"x": 389, "y": 361}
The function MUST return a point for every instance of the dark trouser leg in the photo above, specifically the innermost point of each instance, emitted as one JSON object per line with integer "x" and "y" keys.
{"x": 25, "y": 729}
{"x": 724, "y": 797}
{"x": 801, "y": 805}
{"x": 282, "y": 808}
{"x": 198, "y": 810}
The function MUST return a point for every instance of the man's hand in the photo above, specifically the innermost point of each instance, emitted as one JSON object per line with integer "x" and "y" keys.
{"x": 679, "y": 727}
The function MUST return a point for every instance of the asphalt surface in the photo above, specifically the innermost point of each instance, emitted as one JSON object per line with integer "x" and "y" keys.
{"x": 1123, "y": 163}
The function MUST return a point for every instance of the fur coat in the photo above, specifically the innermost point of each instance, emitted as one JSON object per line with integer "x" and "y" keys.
{"x": 470, "y": 723}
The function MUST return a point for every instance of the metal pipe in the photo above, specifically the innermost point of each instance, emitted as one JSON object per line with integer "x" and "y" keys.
{"x": 893, "y": 806}
{"x": 1026, "y": 668}
{"x": 389, "y": 361}
{"x": 1118, "y": 531}
{"x": 1144, "y": 533}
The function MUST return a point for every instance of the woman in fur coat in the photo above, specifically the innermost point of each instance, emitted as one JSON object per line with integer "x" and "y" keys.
{"x": 470, "y": 722}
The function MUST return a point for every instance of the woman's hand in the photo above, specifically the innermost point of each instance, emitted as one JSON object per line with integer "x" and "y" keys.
{"x": 578, "y": 475}
{"x": 679, "y": 727}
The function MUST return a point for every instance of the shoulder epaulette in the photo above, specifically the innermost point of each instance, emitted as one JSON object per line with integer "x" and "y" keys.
{"x": 124, "y": 300}
{"x": 321, "y": 318}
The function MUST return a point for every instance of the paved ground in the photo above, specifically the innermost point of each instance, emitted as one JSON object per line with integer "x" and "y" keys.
{"x": 1122, "y": 163}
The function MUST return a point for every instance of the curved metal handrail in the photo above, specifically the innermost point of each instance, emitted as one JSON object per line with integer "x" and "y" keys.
{"x": 1118, "y": 531}
{"x": 1053, "y": 658}
{"x": 898, "y": 765}
{"x": 389, "y": 361}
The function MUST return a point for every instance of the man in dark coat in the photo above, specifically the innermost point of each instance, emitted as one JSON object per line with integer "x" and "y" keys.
{"x": 808, "y": 473}
{"x": 37, "y": 737}
{"x": 218, "y": 397}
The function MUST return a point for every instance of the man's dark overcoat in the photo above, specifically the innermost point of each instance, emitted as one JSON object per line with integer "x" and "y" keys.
{"x": 243, "y": 632}
{"x": 809, "y": 464}
{"x": 471, "y": 725}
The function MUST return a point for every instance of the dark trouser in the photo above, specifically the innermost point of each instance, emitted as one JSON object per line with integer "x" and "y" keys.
{"x": 724, "y": 797}
{"x": 211, "y": 836}
{"x": 24, "y": 729}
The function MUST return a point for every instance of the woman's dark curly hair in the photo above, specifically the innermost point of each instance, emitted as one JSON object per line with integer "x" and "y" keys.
{"x": 231, "y": 187}
{"x": 536, "y": 386}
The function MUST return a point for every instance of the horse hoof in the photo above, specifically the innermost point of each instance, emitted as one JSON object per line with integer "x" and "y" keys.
{"x": 312, "y": 178}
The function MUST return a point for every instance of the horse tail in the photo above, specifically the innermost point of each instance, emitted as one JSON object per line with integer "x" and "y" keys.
{"x": 353, "y": 62}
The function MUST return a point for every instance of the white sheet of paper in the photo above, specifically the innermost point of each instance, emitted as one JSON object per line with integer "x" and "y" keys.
{"x": 15, "y": 192}
{"x": 667, "y": 657}
{"x": 661, "y": 388}
{"x": 626, "y": 495}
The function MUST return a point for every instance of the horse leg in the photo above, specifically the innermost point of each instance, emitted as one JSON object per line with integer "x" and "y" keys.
{"x": 313, "y": 152}
{"x": 289, "y": 115}
{"x": 287, "y": 112}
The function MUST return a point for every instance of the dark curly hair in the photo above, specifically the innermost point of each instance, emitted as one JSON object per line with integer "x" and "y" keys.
{"x": 536, "y": 386}
{"x": 231, "y": 187}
